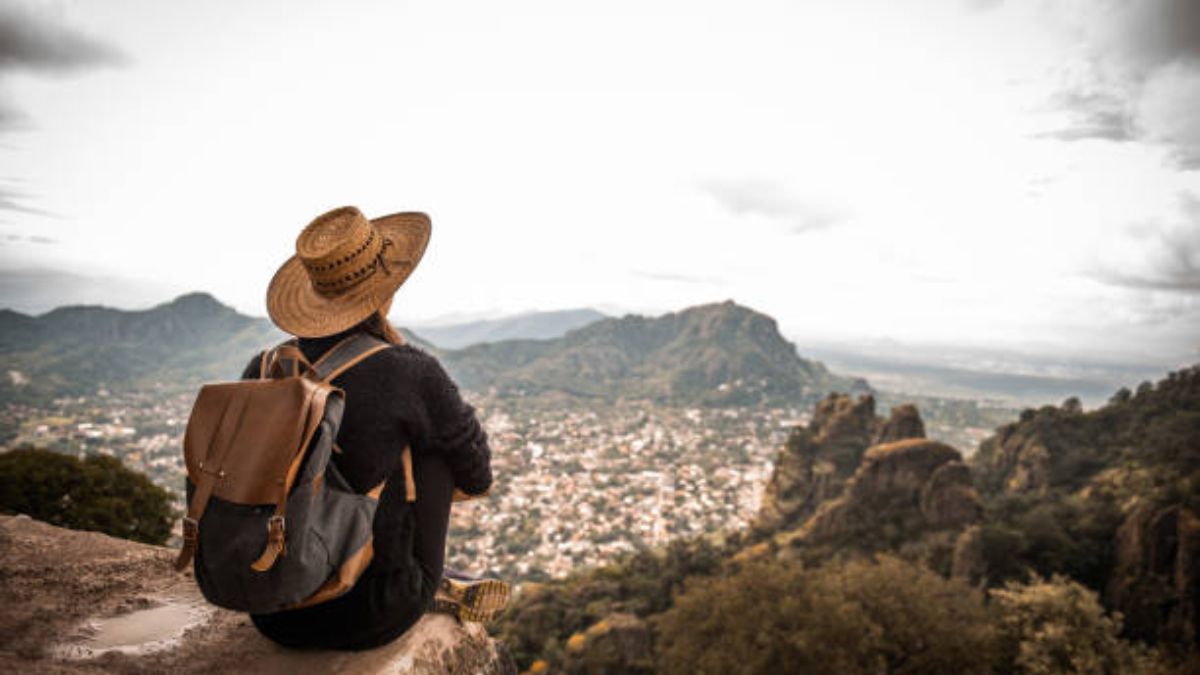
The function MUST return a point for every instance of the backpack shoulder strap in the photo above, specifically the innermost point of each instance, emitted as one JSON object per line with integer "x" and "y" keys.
{"x": 346, "y": 354}
{"x": 286, "y": 356}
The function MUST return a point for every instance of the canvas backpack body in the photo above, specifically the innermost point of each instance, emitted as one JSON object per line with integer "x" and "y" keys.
{"x": 271, "y": 523}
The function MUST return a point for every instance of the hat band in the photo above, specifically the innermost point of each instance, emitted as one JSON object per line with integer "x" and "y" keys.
{"x": 338, "y": 285}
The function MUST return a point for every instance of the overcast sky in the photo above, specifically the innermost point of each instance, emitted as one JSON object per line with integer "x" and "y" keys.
{"x": 1008, "y": 173}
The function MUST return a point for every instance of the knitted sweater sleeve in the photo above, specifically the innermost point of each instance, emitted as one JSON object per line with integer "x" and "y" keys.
{"x": 454, "y": 429}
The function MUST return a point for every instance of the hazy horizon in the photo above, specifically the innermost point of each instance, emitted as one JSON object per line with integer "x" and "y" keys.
{"x": 1015, "y": 175}
{"x": 852, "y": 356}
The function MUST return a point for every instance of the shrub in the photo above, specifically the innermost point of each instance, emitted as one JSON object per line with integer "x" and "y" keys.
{"x": 1058, "y": 626}
{"x": 97, "y": 493}
{"x": 861, "y": 617}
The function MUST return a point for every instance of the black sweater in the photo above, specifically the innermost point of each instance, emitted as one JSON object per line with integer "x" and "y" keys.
{"x": 395, "y": 397}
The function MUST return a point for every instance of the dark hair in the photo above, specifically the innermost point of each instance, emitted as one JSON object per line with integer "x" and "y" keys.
{"x": 378, "y": 326}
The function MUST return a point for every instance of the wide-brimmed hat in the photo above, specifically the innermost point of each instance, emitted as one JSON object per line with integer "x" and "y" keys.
{"x": 345, "y": 268}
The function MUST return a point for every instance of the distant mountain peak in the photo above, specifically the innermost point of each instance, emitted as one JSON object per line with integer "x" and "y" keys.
{"x": 198, "y": 300}
{"x": 720, "y": 353}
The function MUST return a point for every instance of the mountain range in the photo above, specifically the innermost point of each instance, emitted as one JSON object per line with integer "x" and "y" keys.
{"x": 711, "y": 354}
{"x": 73, "y": 351}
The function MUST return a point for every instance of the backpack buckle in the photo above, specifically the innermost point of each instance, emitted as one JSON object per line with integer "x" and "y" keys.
{"x": 275, "y": 529}
{"x": 275, "y": 545}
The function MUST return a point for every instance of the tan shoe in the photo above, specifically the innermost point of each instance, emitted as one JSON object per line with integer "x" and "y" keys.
{"x": 479, "y": 601}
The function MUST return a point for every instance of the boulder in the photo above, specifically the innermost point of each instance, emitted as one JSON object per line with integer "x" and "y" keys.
{"x": 84, "y": 602}
{"x": 904, "y": 422}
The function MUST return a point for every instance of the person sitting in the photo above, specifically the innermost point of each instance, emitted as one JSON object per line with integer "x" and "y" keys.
{"x": 341, "y": 281}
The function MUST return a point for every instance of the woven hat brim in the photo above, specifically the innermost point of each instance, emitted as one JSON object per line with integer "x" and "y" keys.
{"x": 296, "y": 307}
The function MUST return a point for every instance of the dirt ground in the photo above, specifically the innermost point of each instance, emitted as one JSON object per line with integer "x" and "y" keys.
{"x": 58, "y": 585}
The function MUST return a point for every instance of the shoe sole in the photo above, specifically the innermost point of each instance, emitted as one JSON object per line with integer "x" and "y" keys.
{"x": 478, "y": 601}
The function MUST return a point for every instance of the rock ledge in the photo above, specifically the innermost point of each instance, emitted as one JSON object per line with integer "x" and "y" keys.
{"x": 83, "y": 602}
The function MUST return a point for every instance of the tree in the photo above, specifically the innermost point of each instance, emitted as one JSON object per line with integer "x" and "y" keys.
{"x": 96, "y": 493}
{"x": 1058, "y": 626}
{"x": 887, "y": 616}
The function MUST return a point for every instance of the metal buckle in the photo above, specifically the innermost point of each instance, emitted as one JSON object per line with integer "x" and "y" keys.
{"x": 275, "y": 524}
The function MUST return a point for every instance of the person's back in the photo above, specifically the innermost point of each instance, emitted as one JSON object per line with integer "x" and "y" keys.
{"x": 396, "y": 397}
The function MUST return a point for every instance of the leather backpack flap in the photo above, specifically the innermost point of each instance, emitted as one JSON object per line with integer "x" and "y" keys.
{"x": 253, "y": 461}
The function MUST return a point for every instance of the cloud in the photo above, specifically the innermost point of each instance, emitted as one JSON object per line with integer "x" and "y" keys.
{"x": 1173, "y": 261}
{"x": 34, "y": 42}
{"x": 677, "y": 278}
{"x": 16, "y": 201}
{"x": 32, "y": 238}
{"x": 750, "y": 196}
{"x": 1168, "y": 111}
{"x": 30, "y": 40}
{"x": 982, "y": 5}
{"x": 1139, "y": 78}
{"x": 1096, "y": 115}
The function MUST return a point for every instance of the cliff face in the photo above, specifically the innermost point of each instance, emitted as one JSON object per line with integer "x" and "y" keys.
{"x": 854, "y": 482}
{"x": 814, "y": 464}
{"x": 902, "y": 490}
{"x": 1156, "y": 580}
{"x": 83, "y": 602}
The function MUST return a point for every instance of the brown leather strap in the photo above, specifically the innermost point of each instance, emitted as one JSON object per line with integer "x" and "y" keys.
{"x": 410, "y": 484}
{"x": 276, "y": 544}
{"x": 288, "y": 361}
{"x": 376, "y": 491}
{"x": 207, "y": 480}
{"x": 191, "y": 522}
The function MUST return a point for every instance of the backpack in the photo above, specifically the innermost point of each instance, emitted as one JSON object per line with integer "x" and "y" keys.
{"x": 271, "y": 522}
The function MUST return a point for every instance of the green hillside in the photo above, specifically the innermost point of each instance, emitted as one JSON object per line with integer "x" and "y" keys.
{"x": 73, "y": 351}
{"x": 716, "y": 354}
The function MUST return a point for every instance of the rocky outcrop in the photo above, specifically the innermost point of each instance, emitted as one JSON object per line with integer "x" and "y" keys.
{"x": 83, "y": 602}
{"x": 904, "y": 422}
{"x": 969, "y": 562}
{"x": 803, "y": 477}
{"x": 619, "y": 644}
{"x": 1155, "y": 583}
{"x": 913, "y": 496}
{"x": 816, "y": 460}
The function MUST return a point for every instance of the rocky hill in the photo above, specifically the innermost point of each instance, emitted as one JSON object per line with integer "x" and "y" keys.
{"x": 912, "y": 497}
{"x": 81, "y": 602}
{"x": 1110, "y": 496}
{"x": 853, "y": 483}
{"x": 817, "y": 459}
{"x": 718, "y": 354}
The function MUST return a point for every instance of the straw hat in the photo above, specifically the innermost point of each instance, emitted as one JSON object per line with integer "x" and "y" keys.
{"x": 345, "y": 268}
